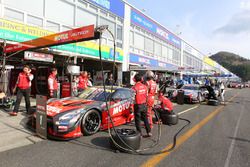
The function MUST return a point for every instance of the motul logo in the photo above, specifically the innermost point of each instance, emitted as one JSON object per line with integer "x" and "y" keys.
{"x": 121, "y": 108}
{"x": 61, "y": 37}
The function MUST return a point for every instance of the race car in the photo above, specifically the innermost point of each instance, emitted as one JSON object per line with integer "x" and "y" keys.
{"x": 192, "y": 93}
{"x": 72, "y": 117}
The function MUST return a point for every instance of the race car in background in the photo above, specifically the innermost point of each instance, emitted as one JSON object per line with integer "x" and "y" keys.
{"x": 235, "y": 85}
{"x": 86, "y": 114}
{"x": 192, "y": 93}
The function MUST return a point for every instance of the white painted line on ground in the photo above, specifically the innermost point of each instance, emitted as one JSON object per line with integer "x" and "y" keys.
{"x": 231, "y": 148}
{"x": 188, "y": 110}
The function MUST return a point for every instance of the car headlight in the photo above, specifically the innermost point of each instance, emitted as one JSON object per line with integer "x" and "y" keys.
{"x": 70, "y": 117}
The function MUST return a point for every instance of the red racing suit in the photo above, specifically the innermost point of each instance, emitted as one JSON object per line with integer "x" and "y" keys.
{"x": 140, "y": 93}
{"x": 152, "y": 88}
{"x": 82, "y": 82}
{"x": 140, "y": 109}
{"x": 24, "y": 80}
{"x": 52, "y": 84}
{"x": 166, "y": 104}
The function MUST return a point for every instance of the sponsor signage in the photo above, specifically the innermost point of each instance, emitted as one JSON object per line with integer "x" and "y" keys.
{"x": 19, "y": 32}
{"x": 148, "y": 62}
{"x": 69, "y": 36}
{"x": 209, "y": 61}
{"x": 66, "y": 89}
{"x": 114, "y": 6}
{"x": 148, "y": 24}
{"x": 38, "y": 56}
{"x": 41, "y": 116}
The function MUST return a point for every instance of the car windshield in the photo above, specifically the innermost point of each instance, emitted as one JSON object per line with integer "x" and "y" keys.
{"x": 190, "y": 87}
{"x": 94, "y": 94}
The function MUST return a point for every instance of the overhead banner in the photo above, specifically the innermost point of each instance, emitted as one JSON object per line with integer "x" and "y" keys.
{"x": 114, "y": 6}
{"x": 146, "y": 23}
{"x": 70, "y": 36}
{"x": 148, "y": 62}
{"x": 19, "y": 32}
{"x": 38, "y": 56}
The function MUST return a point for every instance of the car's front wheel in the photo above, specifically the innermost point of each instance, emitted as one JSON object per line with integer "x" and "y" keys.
{"x": 91, "y": 122}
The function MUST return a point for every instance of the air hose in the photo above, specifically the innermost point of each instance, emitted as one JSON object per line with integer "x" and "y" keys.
{"x": 129, "y": 149}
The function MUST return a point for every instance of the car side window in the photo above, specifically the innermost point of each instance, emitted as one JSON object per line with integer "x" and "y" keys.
{"x": 122, "y": 94}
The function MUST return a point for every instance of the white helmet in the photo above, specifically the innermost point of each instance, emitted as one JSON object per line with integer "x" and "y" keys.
{"x": 149, "y": 75}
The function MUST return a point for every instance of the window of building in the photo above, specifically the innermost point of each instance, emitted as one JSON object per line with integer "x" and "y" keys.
{"x": 52, "y": 26}
{"x": 164, "y": 52}
{"x": 13, "y": 14}
{"x": 119, "y": 44}
{"x": 149, "y": 45}
{"x": 119, "y": 32}
{"x": 30, "y": 6}
{"x": 84, "y": 18}
{"x": 157, "y": 49}
{"x": 111, "y": 25}
{"x": 60, "y": 11}
{"x": 131, "y": 38}
{"x": 139, "y": 41}
{"x": 170, "y": 54}
{"x": 33, "y": 20}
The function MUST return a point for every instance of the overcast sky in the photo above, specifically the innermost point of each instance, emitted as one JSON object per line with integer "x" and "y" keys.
{"x": 208, "y": 25}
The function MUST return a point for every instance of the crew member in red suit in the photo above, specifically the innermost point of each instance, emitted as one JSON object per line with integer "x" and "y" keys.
{"x": 23, "y": 86}
{"x": 52, "y": 83}
{"x": 152, "y": 87}
{"x": 82, "y": 81}
{"x": 165, "y": 103}
{"x": 140, "y": 108}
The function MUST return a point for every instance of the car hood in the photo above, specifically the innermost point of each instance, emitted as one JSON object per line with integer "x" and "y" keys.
{"x": 68, "y": 104}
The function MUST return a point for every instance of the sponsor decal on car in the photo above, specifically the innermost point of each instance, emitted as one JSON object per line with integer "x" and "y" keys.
{"x": 121, "y": 107}
{"x": 53, "y": 109}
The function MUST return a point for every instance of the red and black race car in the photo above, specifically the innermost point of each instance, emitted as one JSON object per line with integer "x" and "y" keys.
{"x": 86, "y": 114}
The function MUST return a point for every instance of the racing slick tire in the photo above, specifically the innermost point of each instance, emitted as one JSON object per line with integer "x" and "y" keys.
{"x": 169, "y": 118}
{"x": 213, "y": 102}
{"x": 91, "y": 122}
{"x": 131, "y": 137}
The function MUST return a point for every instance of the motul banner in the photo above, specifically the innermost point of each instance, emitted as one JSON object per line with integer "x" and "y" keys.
{"x": 70, "y": 36}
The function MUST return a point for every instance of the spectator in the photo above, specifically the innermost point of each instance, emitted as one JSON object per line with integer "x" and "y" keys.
{"x": 110, "y": 80}
{"x": 23, "y": 86}
{"x": 82, "y": 81}
{"x": 52, "y": 83}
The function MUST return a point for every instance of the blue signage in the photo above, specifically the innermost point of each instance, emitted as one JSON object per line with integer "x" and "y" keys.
{"x": 141, "y": 60}
{"x": 144, "y": 22}
{"x": 114, "y": 6}
{"x": 133, "y": 58}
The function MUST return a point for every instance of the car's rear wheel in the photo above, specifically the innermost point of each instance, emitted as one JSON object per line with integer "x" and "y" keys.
{"x": 91, "y": 122}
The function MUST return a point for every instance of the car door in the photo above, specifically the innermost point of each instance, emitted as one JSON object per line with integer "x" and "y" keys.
{"x": 121, "y": 100}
